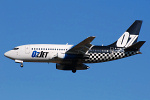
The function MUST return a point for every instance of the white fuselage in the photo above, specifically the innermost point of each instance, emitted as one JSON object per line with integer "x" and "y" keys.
{"x": 38, "y": 53}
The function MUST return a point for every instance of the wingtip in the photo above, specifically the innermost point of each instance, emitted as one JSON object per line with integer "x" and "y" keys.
{"x": 92, "y": 36}
{"x": 139, "y": 21}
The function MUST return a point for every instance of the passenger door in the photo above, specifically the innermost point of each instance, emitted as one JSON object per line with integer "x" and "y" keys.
{"x": 27, "y": 49}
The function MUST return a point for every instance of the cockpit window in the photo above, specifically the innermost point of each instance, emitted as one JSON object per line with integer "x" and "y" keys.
{"x": 15, "y": 48}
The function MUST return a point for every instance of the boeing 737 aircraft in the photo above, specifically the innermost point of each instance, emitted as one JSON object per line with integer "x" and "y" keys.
{"x": 74, "y": 57}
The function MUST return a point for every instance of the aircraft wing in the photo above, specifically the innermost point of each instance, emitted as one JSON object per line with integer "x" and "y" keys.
{"x": 82, "y": 47}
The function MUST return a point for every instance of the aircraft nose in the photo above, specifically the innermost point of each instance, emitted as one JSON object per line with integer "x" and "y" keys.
{"x": 6, "y": 54}
{"x": 10, "y": 54}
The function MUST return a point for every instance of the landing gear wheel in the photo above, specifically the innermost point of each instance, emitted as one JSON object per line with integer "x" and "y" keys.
{"x": 21, "y": 65}
{"x": 73, "y": 70}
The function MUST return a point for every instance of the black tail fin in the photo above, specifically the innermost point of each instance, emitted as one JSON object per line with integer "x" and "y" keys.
{"x": 130, "y": 36}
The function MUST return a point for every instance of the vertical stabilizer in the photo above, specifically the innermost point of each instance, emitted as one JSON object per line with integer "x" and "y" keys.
{"x": 130, "y": 36}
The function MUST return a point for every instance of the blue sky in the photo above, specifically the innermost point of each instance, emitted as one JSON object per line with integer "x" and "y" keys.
{"x": 71, "y": 21}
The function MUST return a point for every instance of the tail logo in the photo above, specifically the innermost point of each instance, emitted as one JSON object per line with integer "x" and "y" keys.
{"x": 126, "y": 40}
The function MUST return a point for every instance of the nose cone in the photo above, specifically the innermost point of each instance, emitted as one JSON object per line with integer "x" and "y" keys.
{"x": 8, "y": 54}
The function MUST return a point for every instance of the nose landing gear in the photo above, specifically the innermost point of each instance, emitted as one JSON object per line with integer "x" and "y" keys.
{"x": 19, "y": 61}
{"x": 21, "y": 65}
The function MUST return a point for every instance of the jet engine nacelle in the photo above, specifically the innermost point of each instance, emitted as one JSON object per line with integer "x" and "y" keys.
{"x": 70, "y": 67}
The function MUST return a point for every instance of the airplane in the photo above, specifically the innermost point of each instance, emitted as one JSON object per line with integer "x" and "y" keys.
{"x": 74, "y": 57}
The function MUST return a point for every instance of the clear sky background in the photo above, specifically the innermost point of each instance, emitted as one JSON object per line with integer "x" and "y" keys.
{"x": 71, "y": 21}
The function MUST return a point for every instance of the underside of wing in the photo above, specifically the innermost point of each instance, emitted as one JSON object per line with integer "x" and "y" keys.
{"x": 82, "y": 47}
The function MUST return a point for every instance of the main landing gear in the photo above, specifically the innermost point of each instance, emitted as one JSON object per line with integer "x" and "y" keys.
{"x": 74, "y": 70}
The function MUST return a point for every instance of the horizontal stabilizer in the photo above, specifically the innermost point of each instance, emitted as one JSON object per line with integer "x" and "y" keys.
{"x": 135, "y": 46}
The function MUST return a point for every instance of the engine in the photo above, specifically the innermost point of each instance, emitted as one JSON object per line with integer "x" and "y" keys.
{"x": 71, "y": 67}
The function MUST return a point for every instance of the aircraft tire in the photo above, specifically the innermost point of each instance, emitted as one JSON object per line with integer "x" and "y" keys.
{"x": 74, "y": 70}
{"x": 21, "y": 65}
